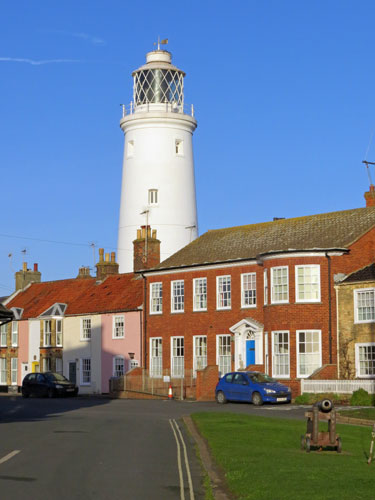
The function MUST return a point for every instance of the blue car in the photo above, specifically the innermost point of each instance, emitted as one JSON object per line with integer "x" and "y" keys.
{"x": 253, "y": 387}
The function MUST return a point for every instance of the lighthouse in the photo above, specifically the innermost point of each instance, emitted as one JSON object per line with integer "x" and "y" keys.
{"x": 158, "y": 185}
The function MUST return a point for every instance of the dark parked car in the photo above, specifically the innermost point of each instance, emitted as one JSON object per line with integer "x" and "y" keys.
{"x": 47, "y": 384}
{"x": 253, "y": 387}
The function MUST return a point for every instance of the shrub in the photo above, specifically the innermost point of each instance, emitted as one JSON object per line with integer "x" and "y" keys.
{"x": 310, "y": 398}
{"x": 362, "y": 398}
{"x": 303, "y": 399}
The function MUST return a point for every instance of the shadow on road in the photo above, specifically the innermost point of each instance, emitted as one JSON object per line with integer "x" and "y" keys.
{"x": 18, "y": 409}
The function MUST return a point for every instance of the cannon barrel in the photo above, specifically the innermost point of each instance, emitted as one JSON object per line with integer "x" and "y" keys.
{"x": 325, "y": 405}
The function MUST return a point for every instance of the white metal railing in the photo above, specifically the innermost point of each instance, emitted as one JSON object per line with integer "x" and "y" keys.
{"x": 129, "y": 109}
{"x": 337, "y": 386}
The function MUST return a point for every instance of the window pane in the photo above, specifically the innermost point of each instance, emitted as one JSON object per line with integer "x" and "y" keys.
{"x": 309, "y": 352}
{"x": 280, "y": 354}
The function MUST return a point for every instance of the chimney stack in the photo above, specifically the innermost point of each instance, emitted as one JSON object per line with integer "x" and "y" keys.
{"x": 370, "y": 197}
{"x": 84, "y": 272}
{"x": 146, "y": 249}
{"x": 26, "y": 276}
{"x": 105, "y": 266}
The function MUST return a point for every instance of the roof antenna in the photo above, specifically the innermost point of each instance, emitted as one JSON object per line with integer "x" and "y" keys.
{"x": 367, "y": 163}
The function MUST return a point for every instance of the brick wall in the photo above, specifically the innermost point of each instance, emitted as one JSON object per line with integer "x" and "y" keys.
{"x": 206, "y": 383}
{"x": 291, "y": 316}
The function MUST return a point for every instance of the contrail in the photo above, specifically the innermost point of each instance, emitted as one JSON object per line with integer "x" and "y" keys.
{"x": 33, "y": 62}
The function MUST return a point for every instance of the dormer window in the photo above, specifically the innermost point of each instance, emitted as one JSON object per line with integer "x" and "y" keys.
{"x": 153, "y": 197}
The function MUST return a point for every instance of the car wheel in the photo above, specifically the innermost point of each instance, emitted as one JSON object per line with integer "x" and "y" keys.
{"x": 220, "y": 398}
{"x": 50, "y": 393}
{"x": 257, "y": 399}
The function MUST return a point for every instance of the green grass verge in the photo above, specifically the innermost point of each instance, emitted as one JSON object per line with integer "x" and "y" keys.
{"x": 364, "y": 413}
{"x": 262, "y": 459}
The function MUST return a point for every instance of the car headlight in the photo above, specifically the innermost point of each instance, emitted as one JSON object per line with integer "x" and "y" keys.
{"x": 269, "y": 391}
{"x": 58, "y": 386}
{"x": 289, "y": 389}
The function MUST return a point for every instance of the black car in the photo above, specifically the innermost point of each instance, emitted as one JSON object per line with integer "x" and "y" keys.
{"x": 47, "y": 384}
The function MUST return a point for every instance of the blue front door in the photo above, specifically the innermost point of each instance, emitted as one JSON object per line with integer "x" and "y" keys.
{"x": 250, "y": 352}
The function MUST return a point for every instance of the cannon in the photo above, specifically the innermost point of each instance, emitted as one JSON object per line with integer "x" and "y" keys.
{"x": 321, "y": 411}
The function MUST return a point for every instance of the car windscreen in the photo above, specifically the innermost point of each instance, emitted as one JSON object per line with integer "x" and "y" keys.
{"x": 261, "y": 378}
{"x": 55, "y": 377}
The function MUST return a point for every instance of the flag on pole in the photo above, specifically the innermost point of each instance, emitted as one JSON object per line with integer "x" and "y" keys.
{"x": 165, "y": 41}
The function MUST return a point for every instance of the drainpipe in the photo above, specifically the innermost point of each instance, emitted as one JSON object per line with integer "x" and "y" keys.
{"x": 329, "y": 309}
{"x": 144, "y": 321}
{"x": 337, "y": 332}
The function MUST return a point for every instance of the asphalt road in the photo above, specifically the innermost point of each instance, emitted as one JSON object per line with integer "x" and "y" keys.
{"x": 98, "y": 448}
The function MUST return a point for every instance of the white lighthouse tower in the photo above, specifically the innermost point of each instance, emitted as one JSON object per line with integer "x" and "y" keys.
{"x": 158, "y": 186}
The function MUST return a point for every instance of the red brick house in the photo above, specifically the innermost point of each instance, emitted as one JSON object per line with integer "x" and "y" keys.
{"x": 260, "y": 295}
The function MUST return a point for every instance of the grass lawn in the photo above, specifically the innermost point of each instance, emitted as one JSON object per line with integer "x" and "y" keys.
{"x": 365, "y": 413}
{"x": 262, "y": 459}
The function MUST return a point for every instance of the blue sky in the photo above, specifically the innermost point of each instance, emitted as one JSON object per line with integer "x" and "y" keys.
{"x": 283, "y": 92}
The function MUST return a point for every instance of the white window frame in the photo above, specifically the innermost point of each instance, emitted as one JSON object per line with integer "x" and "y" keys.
{"x": 220, "y": 293}
{"x": 177, "y": 361}
{"x": 274, "y": 285}
{"x": 265, "y": 287}
{"x": 156, "y": 297}
{"x": 82, "y": 362}
{"x": 47, "y": 333}
{"x": 118, "y": 329}
{"x": 311, "y": 284}
{"x": 156, "y": 362}
{"x": 47, "y": 364}
{"x": 153, "y": 197}
{"x": 86, "y": 331}
{"x": 199, "y": 296}
{"x": 199, "y": 353}
{"x": 116, "y": 359}
{"x": 14, "y": 333}
{"x": 130, "y": 149}
{"x": 179, "y": 147}
{"x": 59, "y": 366}
{"x": 280, "y": 355}
{"x": 176, "y": 287}
{"x": 357, "y": 292}
{"x": 305, "y": 375}
{"x": 253, "y": 282}
{"x": 14, "y": 371}
{"x": 358, "y": 373}
{"x": 59, "y": 333}
{"x": 4, "y": 335}
{"x": 223, "y": 361}
{"x": 3, "y": 371}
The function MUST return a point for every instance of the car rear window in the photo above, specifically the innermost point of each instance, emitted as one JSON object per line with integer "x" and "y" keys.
{"x": 229, "y": 378}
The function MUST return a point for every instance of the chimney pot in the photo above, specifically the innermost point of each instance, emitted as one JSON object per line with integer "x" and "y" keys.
{"x": 101, "y": 254}
{"x": 107, "y": 257}
{"x": 35, "y": 267}
{"x": 154, "y": 234}
{"x": 24, "y": 267}
{"x": 113, "y": 256}
{"x": 138, "y": 234}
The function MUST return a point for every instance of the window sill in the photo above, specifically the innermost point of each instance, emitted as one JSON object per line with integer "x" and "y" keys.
{"x": 199, "y": 310}
{"x": 177, "y": 312}
{"x": 85, "y": 340}
{"x": 308, "y": 302}
{"x": 118, "y": 338}
{"x": 249, "y": 307}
